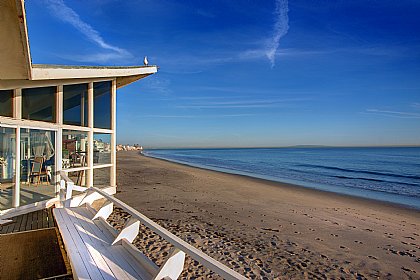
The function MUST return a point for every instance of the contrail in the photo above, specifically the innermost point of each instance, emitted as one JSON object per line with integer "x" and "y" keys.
{"x": 67, "y": 14}
{"x": 280, "y": 29}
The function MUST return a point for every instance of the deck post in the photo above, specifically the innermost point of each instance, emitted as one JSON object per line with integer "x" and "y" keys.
{"x": 114, "y": 133}
{"x": 89, "y": 174}
{"x": 16, "y": 189}
{"x": 59, "y": 138}
{"x": 17, "y": 114}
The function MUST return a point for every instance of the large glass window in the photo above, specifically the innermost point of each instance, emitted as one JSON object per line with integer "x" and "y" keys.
{"x": 102, "y": 177}
{"x": 6, "y": 103}
{"x": 75, "y": 149}
{"x": 75, "y": 104}
{"x": 39, "y": 104}
{"x": 7, "y": 166}
{"x": 101, "y": 148}
{"x": 102, "y": 104}
{"x": 37, "y": 178}
{"x": 78, "y": 177}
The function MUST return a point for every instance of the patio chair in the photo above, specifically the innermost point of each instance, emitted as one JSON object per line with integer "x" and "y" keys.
{"x": 36, "y": 171}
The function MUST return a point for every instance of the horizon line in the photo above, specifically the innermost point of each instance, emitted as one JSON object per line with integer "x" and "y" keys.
{"x": 289, "y": 146}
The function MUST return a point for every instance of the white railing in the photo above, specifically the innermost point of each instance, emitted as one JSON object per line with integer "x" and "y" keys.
{"x": 91, "y": 194}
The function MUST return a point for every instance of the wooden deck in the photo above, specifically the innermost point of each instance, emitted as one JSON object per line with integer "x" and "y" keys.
{"x": 31, "y": 226}
{"x": 30, "y": 221}
{"x": 34, "y": 254}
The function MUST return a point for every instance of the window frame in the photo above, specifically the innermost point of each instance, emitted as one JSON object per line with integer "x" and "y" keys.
{"x": 17, "y": 122}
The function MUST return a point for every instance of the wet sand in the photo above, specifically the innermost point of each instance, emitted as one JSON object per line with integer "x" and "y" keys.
{"x": 268, "y": 230}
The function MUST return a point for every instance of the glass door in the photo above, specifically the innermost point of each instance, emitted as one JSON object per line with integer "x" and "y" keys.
{"x": 7, "y": 166}
{"x": 37, "y": 165}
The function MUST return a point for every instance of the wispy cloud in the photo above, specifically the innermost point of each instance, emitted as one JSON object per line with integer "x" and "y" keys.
{"x": 416, "y": 105}
{"x": 66, "y": 14}
{"x": 209, "y": 59}
{"x": 158, "y": 85}
{"x": 393, "y": 114}
{"x": 266, "y": 47}
{"x": 96, "y": 57}
{"x": 245, "y": 104}
{"x": 197, "y": 116}
{"x": 281, "y": 27}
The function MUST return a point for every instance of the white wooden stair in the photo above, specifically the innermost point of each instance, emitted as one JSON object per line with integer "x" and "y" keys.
{"x": 97, "y": 251}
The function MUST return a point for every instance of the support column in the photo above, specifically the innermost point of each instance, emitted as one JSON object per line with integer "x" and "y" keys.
{"x": 89, "y": 175}
{"x": 17, "y": 104}
{"x": 16, "y": 189}
{"x": 59, "y": 138}
{"x": 17, "y": 114}
{"x": 114, "y": 133}
{"x": 59, "y": 105}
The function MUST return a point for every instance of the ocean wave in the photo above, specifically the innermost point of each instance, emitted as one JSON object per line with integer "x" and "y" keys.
{"x": 376, "y": 180}
{"x": 361, "y": 171}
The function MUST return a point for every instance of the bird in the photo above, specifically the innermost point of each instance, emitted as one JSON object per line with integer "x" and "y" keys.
{"x": 145, "y": 61}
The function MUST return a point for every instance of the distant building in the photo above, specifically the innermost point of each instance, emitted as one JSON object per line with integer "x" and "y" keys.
{"x": 135, "y": 147}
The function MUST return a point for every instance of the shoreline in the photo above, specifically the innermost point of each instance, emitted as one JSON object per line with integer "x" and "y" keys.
{"x": 268, "y": 230}
{"x": 295, "y": 186}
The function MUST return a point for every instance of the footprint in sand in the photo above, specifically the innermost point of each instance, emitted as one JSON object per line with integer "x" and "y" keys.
{"x": 408, "y": 269}
{"x": 343, "y": 247}
{"x": 335, "y": 235}
{"x": 318, "y": 239}
{"x": 409, "y": 237}
{"x": 372, "y": 257}
{"x": 358, "y": 242}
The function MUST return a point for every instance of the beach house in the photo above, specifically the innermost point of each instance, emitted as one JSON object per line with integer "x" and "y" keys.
{"x": 58, "y": 149}
{"x": 53, "y": 118}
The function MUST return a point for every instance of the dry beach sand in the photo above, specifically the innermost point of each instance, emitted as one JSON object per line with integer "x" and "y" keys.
{"x": 267, "y": 230}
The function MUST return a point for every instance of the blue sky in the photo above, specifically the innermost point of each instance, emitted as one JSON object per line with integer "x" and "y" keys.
{"x": 248, "y": 73}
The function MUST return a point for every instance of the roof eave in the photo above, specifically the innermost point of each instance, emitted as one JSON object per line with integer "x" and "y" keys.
{"x": 55, "y": 72}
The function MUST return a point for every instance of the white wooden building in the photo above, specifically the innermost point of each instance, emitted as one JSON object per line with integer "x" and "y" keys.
{"x": 58, "y": 148}
{"x": 53, "y": 118}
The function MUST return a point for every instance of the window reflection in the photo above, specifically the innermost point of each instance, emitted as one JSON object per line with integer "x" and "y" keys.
{"x": 102, "y": 104}
{"x": 7, "y": 166}
{"x": 75, "y": 104}
{"x": 101, "y": 148}
{"x": 102, "y": 177}
{"x": 6, "y": 103}
{"x": 37, "y": 177}
{"x": 75, "y": 148}
{"x": 39, "y": 104}
{"x": 78, "y": 177}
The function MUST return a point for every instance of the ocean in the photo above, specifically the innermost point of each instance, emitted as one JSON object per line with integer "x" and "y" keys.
{"x": 385, "y": 174}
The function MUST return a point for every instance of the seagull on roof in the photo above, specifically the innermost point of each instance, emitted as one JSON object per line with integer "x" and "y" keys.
{"x": 145, "y": 61}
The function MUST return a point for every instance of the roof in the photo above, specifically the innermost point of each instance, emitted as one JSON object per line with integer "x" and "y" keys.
{"x": 124, "y": 74}
{"x": 16, "y": 61}
{"x": 15, "y": 56}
